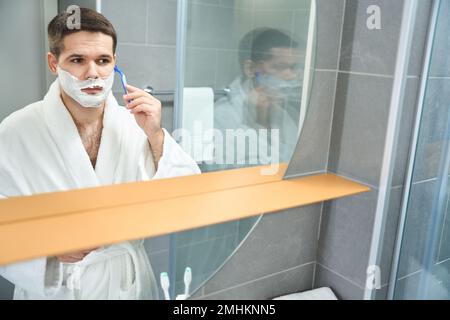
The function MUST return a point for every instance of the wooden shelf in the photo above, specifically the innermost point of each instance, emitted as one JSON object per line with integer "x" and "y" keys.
{"x": 54, "y": 223}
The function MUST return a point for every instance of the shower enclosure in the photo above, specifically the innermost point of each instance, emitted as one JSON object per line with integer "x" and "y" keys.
{"x": 419, "y": 250}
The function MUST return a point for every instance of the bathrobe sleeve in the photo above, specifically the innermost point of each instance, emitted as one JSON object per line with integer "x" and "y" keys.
{"x": 44, "y": 275}
{"x": 174, "y": 161}
{"x": 41, "y": 276}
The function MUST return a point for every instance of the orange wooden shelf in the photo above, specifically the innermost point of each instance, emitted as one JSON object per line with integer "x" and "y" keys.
{"x": 54, "y": 223}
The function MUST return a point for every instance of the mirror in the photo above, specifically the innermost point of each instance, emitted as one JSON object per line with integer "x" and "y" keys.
{"x": 233, "y": 80}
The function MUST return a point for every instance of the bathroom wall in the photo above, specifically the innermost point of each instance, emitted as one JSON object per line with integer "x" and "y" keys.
{"x": 20, "y": 58}
{"x": 279, "y": 256}
{"x": 363, "y": 93}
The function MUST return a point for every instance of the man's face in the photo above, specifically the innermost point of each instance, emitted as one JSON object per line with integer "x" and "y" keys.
{"x": 85, "y": 55}
{"x": 285, "y": 64}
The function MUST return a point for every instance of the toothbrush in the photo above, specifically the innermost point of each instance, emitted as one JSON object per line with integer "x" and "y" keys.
{"x": 187, "y": 281}
{"x": 123, "y": 79}
{"x": 165, "y": 284}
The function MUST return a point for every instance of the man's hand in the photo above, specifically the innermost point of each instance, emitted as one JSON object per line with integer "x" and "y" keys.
{"x": 147, "y": 112}
{"x": 260, "y": 100}
{"x": 73, "y": 257}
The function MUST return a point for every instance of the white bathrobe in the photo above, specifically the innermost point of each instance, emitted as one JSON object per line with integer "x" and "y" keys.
{"x": 41, "y": 151}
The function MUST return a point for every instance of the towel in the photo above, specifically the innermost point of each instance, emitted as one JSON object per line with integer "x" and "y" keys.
{"x": 317, "y": 294}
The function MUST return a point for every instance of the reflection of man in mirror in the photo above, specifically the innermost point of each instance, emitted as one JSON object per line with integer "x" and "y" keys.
{"x": 79, "y": 137}
{"x": 267, "y": 94}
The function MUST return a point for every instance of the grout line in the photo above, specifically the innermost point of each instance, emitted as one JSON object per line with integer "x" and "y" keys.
{"x": 320, "y": 221}
{"x": 341, "y": 276}
{"x": 443, "y": 261}
{"x": 314, "y": 275}
{"x": 341, "y": 33}
{"x": 419, "y": 271}
{"x": 325, "y": 70}
{"x": 147, "y": 9}
{"x": 379, "y": 75}
{"x": 409, "y": 275}
{"x": 424, "y": 181}
{"x": 353, "y": 178}
{"x": 306, "y": 174}
{"x": 216, "y": 67}
{"x": 259, "y": 279}
{"x": 219, "y": 5}
{"x": 333, "y": 104}
{"x": 137, "y": 44}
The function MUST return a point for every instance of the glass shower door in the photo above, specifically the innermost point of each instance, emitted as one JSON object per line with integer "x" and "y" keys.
{"x": 424, "y": 263}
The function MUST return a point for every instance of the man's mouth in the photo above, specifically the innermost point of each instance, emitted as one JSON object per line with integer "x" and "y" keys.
{"x": 92, "y": 90}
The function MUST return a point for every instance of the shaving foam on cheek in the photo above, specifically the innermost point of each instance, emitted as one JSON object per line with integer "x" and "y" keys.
{"x": 73, "y": 86}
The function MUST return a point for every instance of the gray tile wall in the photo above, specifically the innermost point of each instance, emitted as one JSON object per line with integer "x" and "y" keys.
{"x": 363, "y": 95}
{"x": 277, "y": 258}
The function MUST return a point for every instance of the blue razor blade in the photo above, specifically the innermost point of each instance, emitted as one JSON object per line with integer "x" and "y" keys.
{"x": 123, "y": 79}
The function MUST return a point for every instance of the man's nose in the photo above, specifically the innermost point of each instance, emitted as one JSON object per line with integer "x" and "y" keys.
{"x": 92, "y": 72}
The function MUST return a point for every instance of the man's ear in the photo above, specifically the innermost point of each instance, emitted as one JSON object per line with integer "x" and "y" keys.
{"x": 52, "y": 63}
{"x": 249, "y": 69}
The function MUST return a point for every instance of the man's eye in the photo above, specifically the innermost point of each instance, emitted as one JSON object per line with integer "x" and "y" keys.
{"x": 103, "y": 61}
{"x": 76, "y": 60}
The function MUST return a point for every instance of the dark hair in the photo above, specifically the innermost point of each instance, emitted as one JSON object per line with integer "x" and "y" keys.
{"x": 90, "y": 20}
{"x": 256, "y": 45}
{"x": 268, "y": 39}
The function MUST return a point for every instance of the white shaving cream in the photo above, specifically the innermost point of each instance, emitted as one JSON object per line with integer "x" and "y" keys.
{"x": 73, "y": 86}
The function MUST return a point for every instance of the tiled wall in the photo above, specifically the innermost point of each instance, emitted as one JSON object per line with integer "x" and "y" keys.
{"x": 363, "y": 95}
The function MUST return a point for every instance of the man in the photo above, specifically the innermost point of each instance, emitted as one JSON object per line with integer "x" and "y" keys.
{"x": 78, "y": 137}
{"x": 265, "y": 96}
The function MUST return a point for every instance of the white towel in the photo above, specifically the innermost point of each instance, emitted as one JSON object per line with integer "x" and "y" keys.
{"x": 317, "y": 294}
{"x": 198, "y": 120}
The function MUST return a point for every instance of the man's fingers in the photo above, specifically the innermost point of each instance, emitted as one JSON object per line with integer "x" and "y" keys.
{"x": 141, "y": 108}
{"x": 68, "y": 259}
{"x": 138, "y": 101}
{"x": 132, "y": 89}
{"x": 77, "y": 255}
{"x": 85, "y": 251}
{"x": 137, "y": 95}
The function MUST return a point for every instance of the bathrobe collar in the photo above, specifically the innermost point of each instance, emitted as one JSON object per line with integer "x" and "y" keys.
{"x": 65, "y": 134}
